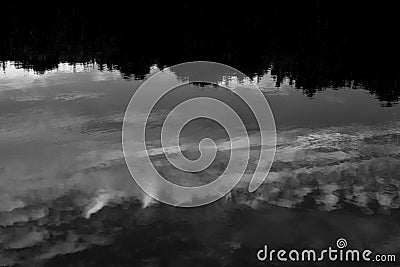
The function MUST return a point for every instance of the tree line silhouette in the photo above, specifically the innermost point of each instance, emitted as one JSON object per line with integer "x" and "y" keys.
{"x": 317, "y": 44}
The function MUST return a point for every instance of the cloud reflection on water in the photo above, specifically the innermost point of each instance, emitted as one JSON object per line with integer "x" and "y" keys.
{"x": 64, "y": 162}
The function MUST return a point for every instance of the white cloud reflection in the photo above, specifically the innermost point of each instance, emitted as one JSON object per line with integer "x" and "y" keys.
{"x": 12, "y": 76}
{"x": 71, "y": 142}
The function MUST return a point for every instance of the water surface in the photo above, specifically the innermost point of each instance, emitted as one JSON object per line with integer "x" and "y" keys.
{"x": 67, "y": 196}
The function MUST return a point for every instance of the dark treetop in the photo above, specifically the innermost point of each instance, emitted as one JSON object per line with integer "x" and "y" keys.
{"x": 314, "y": 43}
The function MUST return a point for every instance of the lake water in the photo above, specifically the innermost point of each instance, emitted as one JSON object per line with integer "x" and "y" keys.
{"x": 67, "y": 196}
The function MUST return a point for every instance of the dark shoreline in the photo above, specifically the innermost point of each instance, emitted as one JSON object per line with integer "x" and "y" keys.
{"x": 316, "y": 44}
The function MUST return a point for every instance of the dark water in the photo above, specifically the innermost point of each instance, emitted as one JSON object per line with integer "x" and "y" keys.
{"x": 67, "y": 198}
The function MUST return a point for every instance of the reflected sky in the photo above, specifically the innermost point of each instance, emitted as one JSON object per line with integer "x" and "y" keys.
{"x": 59, "y": 125}
{"x": 60, "y": 135}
